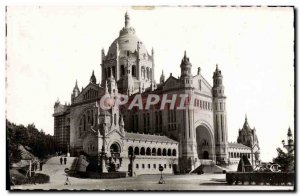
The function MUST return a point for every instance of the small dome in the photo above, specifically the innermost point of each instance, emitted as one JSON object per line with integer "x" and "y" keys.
{"x": 185, "y": 61}
{"x": 127, "y": 41}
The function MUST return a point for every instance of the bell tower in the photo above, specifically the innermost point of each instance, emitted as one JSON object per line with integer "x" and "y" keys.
{"x": 186, "y": 75}
{"x": 220, "y": 117}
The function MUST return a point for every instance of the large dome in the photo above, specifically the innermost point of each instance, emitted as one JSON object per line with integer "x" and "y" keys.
{"x": 127, "y": 41}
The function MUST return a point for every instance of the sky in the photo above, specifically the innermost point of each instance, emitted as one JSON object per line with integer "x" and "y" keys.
{"x": 49, "y": 48}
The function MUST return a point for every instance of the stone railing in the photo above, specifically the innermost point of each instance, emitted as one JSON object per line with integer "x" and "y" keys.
{"x": 259, "y": 178}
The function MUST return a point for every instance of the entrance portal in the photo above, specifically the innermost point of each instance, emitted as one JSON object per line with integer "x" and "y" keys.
{"x": 205, "y": 155}
{"x": 204, "y": 142}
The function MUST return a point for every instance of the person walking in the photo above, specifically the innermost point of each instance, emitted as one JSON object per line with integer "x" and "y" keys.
{"x": 65, "y": 160}
{"x": 61, "y": 160}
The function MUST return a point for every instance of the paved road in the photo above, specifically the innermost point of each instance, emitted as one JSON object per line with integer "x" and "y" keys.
{"x": 143, "y": 182}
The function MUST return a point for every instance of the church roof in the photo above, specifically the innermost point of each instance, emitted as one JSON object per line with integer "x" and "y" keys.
{"x": 148, "y": 137}
{"x": 236, "y": 145}
{"x": 127, "y": 41}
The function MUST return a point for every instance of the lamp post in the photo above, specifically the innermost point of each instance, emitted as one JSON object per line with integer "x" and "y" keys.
{"x": 102, "y": 153}
{"x": 131, "y": 159}
{"x": 161, "y": 180}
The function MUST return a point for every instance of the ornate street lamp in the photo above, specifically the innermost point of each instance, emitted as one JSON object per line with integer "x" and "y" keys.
{"x": 102, "y": 154}
{"x": 161, "y": 180}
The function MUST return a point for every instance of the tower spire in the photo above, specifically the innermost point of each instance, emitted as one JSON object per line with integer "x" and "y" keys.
{"x": 127, "y": 20}
{"x": 162, "y": 77}
{"x": 93, "y": 78}
{"x": 76, "y": 85}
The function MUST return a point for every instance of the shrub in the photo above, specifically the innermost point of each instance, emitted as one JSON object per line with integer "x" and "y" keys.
{"x": 40, "y": 178}
{"x": 17, "y": 178}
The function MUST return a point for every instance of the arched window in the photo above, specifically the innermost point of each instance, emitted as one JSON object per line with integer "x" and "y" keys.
{"x": 136, "y": 151}
{"x": 88, "y": 117}
{"x": 148, "y": 151}
{"x": 154, "y": 152}
{"x": 133, "y": 71}
{"x": 84, "y": 123}
{"x": 159, "y": 152}
{"x": 164, "y": 152}
{"x": 169, "y": 152}
{"x": 130, "y": 150}
{"x": 92, "y": 117}
{"x": 115, "y": 119}
{"x": 80, "y": 127}
{"x": 115, "y": 150}
{"x": 147, "y": 72}
{"x": 174, "y": 152}
{"x": 142, "y": 151}
{"x": 122, "y": 70}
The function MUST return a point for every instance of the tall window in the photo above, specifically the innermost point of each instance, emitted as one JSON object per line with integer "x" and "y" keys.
{"x": 108, "y": 72}
{"x": 114, "y": 71}
{"x": 160, "y": 121}
{"x": 133, "y": 72}
{"x": 122, "y": 70}
{"x": 147, "y": 72}
{"x": 222, "y": 128}
{"x": 145, "y": 122}
{"x": 172, "y": 119}
{"x": 217, "y": 127}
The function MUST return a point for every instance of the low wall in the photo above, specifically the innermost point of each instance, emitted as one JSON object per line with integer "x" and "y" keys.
{"x": 259, "y": 178}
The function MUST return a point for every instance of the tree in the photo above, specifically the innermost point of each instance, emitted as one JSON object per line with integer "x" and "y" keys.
{"x": 285, "y": 160}
{"x": 38, "y": 142}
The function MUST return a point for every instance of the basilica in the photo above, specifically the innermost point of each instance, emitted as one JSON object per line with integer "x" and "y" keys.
{"x": 141, "y": 141}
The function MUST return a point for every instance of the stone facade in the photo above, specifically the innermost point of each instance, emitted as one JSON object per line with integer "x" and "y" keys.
{"x": 179, "y": 139}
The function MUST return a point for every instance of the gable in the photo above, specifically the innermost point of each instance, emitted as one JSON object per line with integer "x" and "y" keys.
{"x": 91, "y": 91}
{"x": 171, "y": 83}
{"x": 200, "y": 84}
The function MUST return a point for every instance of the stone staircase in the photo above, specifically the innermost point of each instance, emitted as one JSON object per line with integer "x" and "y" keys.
{"x": 207, "y": 166}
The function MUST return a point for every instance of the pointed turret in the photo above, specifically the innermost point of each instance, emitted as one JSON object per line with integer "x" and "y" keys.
{"x": 185, "y": 66}
{"x": 246, "y": 125}
{"x": 162, "y": 77}
{"x": 76, "y": 89}
{"x": 186, "y": 73}
{"x": 93, "y": 78}
{"x": 290, "y": 137}
{"x": 103, "y": 54}
{"x": 127, "y": 29}
{"x": 199, "y": 70}
{"x": 75, "y": 92}
{"x": 218, "y": 88}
